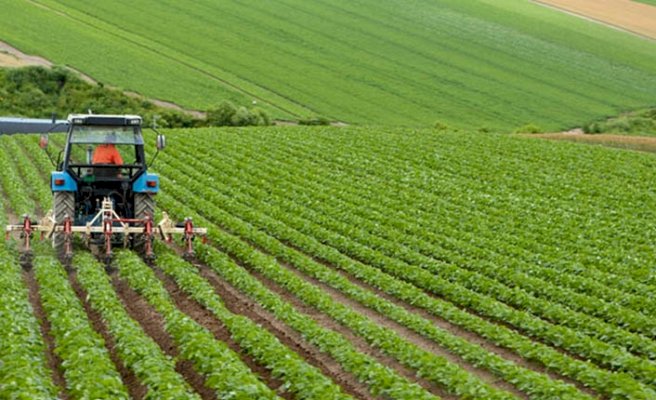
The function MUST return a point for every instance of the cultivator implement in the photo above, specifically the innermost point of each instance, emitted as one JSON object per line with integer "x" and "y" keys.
{"x": 106, "y": 230}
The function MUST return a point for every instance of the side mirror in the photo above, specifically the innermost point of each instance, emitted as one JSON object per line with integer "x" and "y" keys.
{"x": 43, "y": 141}
{"x": 161, "y": 142}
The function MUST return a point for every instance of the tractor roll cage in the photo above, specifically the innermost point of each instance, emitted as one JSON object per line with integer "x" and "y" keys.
{"x": 108, "y": 124}
{"x": 134, "y": 171}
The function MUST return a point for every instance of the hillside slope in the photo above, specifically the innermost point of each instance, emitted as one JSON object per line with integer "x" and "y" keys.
{"x": 498, "y": 64}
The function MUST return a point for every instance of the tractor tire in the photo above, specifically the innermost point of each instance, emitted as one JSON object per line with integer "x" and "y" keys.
{"x": 63, "y": 205}
{"x": 144, "y": 204}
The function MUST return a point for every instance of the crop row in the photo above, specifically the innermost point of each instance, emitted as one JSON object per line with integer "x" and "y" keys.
{"x": 500, "y": 205}
{"x": 22, "y": 351}
{"x": 560, "y": 336}
{"x": 381, "y": 379}
{"x": 88, "y": 369}
{"x": 224, "y": 371}
{"x": 457, "y": 219}
{"x": 299, "y": 377}
{"x": 28, "y": 172}
{"x": 13, "y": 185}
{"x": 610, "y": 383}
{"x": 137, "y": 351}
{"x": 551, "y": 311}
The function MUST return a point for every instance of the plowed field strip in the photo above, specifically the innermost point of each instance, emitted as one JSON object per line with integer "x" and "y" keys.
{"x": 238, "y": 303}
{"x": 153, "y": 324}
{"x": 135, "y": 388}
{"x": 54, "y": 362}
{"x": 205, "y": 318}
{"x": 627, "y": 15}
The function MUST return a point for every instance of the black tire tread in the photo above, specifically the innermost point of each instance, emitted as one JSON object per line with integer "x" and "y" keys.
{"x": 63, "y": 204}
{"x": 144, "y": 204}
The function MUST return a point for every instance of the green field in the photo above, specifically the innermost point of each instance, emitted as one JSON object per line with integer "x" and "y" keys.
{"x": 416, "y": 264}
{"x": 497, "y": 64}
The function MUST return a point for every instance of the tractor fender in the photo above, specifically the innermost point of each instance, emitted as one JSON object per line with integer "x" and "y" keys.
{"x": 146, "y": 183}
{"x": 62, "y": 181}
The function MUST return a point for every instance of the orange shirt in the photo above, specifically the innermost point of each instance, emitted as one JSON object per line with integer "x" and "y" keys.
{"x": 107, "y": 154}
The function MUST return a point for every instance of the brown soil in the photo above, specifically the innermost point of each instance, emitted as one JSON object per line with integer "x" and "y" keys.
{"x": 153, "y": 324}
{"x": 205, "y": 318}
{"x": 238, "y": 303}
{"x": 639, "y": 143}
{"x": 628, "y": 15}
{"x": 54, "y": 362}
{"x": 135, "y": 388}
{"x": 359, "y": 343}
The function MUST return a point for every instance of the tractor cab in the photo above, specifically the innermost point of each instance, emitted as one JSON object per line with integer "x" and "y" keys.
{"x": 104, "y": 152}
{"x": 104, "y": 158}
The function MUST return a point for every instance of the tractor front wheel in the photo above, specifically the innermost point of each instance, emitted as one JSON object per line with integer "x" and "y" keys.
{"x": 63, "y": 206}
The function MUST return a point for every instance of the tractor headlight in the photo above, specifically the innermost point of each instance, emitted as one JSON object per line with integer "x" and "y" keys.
{"x": 135, "y": 121}
{"x": 78, "y": 121}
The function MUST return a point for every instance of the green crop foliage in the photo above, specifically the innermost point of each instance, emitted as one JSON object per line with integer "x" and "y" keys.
{"x": 499, "y": 64}
{"x": 23, "y": 371}
{"x": 535, "y": 253}
{"x": 88, "y": 370}
{"x": 224, "y": 371}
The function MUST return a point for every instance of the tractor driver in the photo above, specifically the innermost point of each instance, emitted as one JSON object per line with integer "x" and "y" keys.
{"x": 107, "y": 153}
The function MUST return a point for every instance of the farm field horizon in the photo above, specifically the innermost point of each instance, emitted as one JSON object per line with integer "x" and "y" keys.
{"x": 482, "y": 64}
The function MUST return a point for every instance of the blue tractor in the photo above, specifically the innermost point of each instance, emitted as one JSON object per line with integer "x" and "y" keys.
{"x": 101, "y": 188}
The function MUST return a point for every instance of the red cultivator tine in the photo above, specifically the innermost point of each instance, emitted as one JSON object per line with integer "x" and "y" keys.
{"x": 148, "y": 233}
{"x": 188, "y": 237}
{"x": 68, "y": 240}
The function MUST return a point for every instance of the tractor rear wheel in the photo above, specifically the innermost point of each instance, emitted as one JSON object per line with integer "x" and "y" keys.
{"x": 63, "y": 205}
{"x": 144, "y": 204}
